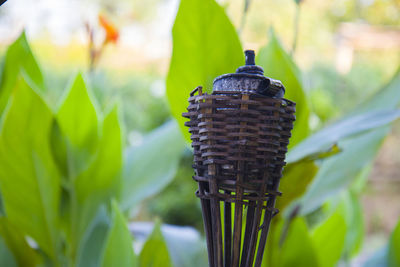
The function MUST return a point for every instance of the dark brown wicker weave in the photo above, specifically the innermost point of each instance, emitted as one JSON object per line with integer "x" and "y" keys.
{"x": 239, "y": 141}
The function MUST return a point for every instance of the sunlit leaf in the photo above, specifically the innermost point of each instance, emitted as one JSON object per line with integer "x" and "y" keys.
{"x": 297, "y": 249}
{"x": 329, "y": 239}
{"x": 186, "y": 246}
{"x": 289, "y": 245}
{"x": 278, "y": 65}
{"x": 150, "y": 166}
{"x": 18, "y": 58}
{"x": 118, "y": 247}
{"x": 155, "y": 251}
{"x": 296, "y": 177}
{"x": 78, "y": 123}
{"x": 101, "y": 181}
{"x": 205, "y": 45}
{"x": 29, "y": 179}
{"x": 394, "y": 247}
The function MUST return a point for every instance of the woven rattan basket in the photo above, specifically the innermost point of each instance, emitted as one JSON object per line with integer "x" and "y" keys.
{"x": 239, "y": 135}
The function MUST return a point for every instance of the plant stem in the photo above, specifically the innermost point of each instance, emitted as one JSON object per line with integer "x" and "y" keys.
{"x": 244, "y": 15}
{"x": 296, "y": 29}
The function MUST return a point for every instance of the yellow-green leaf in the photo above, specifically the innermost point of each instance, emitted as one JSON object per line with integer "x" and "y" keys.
{"x": 329, "y": 239}
{"x": 29, "y": 179}
{"x": 205, "y": 45}
{"x": 155, "y": 251}
{"x": 119, "y": 247}
{"x": 18, "y": 59}
{"x": 278, "y": 65}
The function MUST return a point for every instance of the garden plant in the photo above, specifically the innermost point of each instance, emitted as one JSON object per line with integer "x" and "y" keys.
{"x": 70, "y": 184}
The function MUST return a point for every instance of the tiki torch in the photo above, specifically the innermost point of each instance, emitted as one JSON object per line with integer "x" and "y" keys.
{"x": 239, "y": 134}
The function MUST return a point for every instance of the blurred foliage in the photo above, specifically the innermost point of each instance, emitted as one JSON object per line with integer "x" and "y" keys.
{"x": 62, "y": 178}
{"x": 68, "y": 177}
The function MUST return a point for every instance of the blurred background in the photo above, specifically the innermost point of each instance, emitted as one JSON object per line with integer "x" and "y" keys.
{"x": 346, "y": 50}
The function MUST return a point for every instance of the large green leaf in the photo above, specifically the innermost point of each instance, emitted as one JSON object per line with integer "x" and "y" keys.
{"x": 205, "y": 45}
{"x": 78, "y": 122}
{"x": 18, "y": 58}
{"x": 289, "y": 244}
{"x": 155, "y": 251}
{"x": 329, "y": 239}
{"x": 16, "y": 243}
{"x": 119, "y": 247}
{"x": 29, "y": 179}
{"x": 152, "y": 165}
{"x": 297, "y": 249}
{"x": 278, "y": 64}
{"x": 296, "y": 177}
{"x": 339, "y": 171}
{"x": 394, "y": 248}
{"x": 327, "y": 137}
{"x": 186, "y": 246}
{"x": 353, "y": 215}
{"x": 100, "y": 182}
{"x": 91, "y": 246}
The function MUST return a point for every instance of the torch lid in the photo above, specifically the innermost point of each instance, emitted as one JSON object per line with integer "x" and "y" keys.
{"x": 249, "y": 78}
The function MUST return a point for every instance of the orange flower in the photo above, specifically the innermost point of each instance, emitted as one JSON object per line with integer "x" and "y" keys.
{"x": 112, "y": 33}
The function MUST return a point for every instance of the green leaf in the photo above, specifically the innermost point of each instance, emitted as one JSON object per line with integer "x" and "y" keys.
{"x": 118, "y": 247}
{"x": 29, "y": 179}
{"x": 6, "y": 256}
{"x": 18, "y": 58}
{"x": 297, "y": 249}
{"x": 347, "y": 127}
{"x": 394, "y": 247}
{"x": 104, "y": 172}
{"x": 101, "y": 181}
{"x": 91, "y": 247}
{"x": 329, "y": 239}
{"x": 16, "y": 243}
{"x": 205, "y": 45}
{"x": 152, "y": 165}
{"x": 294, "y": 182}
{"x": 353, "y": 215}
{"x": 339, "y": 171}
{"x": 186, "y": 246}
{"x": 155, "y": 250}
{"x": 78, "y": 122}
{"x": 277, "y": 64}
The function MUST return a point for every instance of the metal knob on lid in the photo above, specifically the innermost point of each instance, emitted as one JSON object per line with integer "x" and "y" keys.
{"x": 249, "y": 78}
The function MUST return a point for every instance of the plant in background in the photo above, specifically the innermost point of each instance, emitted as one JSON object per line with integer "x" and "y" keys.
{"x": 111, "y": 36}
{"x": 64, "y": 180}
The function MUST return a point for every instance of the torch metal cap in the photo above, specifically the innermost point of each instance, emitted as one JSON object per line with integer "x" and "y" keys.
{"x": 249, "y": 79}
